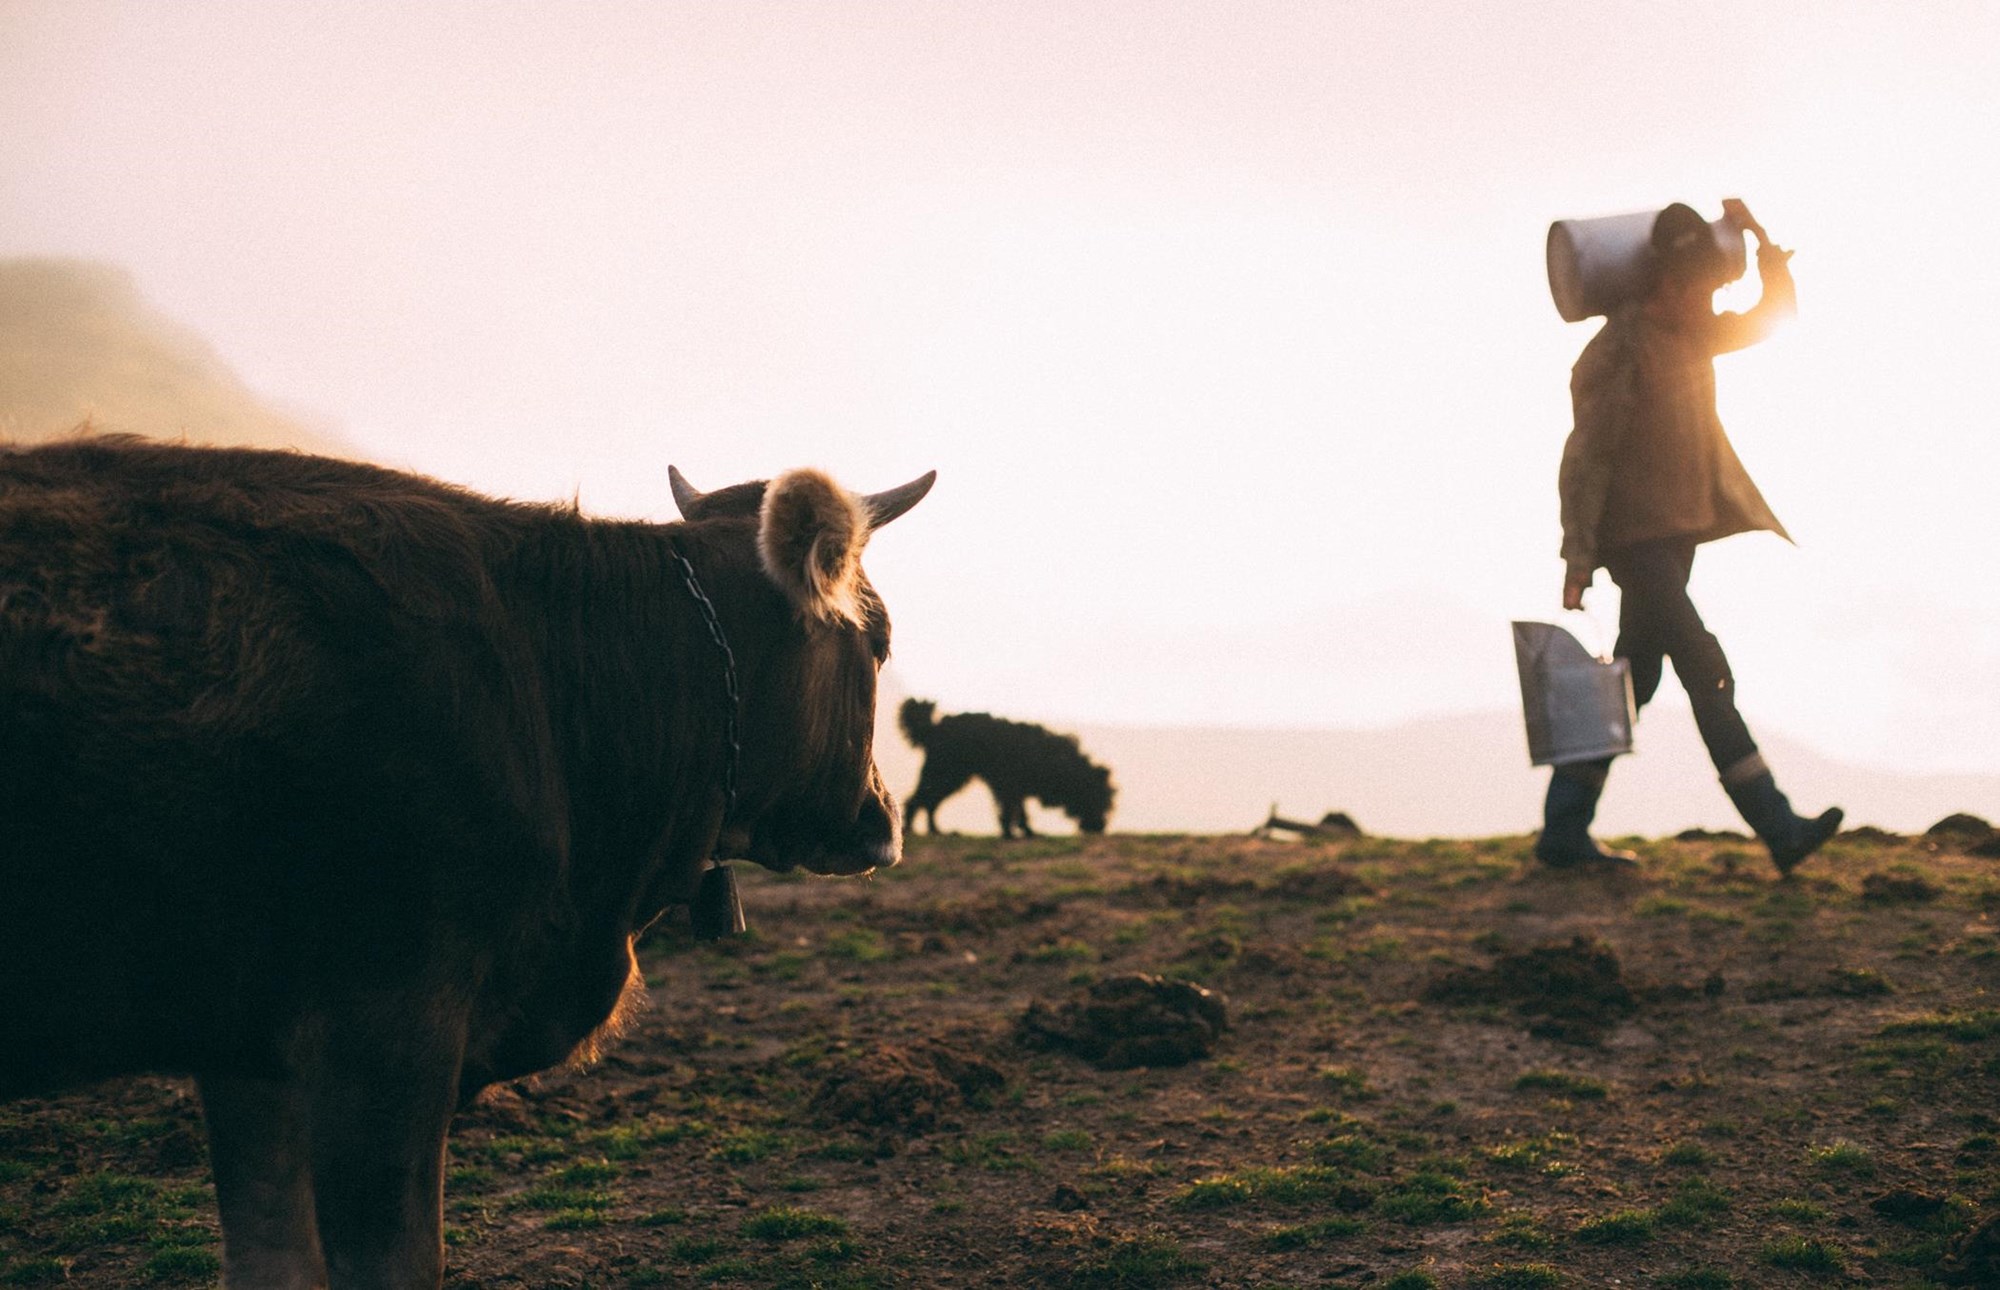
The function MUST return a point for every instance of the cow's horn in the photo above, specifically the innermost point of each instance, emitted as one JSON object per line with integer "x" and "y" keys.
{"x": 686, "y": 495}
{"x": 886, "y": 506}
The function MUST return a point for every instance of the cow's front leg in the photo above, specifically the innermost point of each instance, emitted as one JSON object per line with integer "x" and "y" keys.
{"x": 258, "y": 1146}
{"x": 381, "y": 1103}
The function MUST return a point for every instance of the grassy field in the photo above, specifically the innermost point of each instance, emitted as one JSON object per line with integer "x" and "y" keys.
{"x": 1442, "y": 1067}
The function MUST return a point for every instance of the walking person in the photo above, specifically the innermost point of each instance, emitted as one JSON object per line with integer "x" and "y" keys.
{"x": 1648, "y": 476}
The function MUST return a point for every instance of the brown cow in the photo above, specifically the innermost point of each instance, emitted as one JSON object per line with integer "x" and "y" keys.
{"x": 346, "y": 792}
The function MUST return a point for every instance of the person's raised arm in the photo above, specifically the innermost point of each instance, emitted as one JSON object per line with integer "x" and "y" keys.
{"x": 1778, "y": 301}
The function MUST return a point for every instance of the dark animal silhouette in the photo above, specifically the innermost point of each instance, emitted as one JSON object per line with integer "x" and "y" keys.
{"x": 346, "y": 792}
{"x": 1016, "y": 760}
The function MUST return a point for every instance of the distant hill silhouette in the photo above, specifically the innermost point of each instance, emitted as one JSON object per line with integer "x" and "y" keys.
{"x": 78, "y": 343}
{"x": 1463, "y": 776}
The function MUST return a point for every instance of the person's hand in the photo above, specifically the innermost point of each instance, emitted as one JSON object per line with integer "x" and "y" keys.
{"x": 1573, "y": 585}
{"x": 1734, "y": 210}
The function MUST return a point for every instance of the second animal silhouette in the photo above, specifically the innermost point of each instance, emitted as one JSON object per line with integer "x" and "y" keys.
{"x": 1016, "y": 760}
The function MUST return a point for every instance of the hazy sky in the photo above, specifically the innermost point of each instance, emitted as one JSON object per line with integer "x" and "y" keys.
{"x": 1225, "y": 325}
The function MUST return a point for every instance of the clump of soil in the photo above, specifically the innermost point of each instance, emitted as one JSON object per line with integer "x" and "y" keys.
{"x": 1907, "y": 1205}
{"x": 1179, "y": 892}
{"x": 1135, "y": 1019}
{"x": 1328, "y": 883}
{"x": 1974, "y": 1258}
{"x": 1898, "y": 889}
{"x": 910, "y": 1089}
{"x": 1710, "y": 835}
{"x": 1573, "y": 993}
{"x": 1869, "y": 835}
{"x": 1959, "y": 830}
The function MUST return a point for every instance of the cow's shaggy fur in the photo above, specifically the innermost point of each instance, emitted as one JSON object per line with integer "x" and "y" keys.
{"x": 1016, "y": 760}
{"x": 347, "y": 792}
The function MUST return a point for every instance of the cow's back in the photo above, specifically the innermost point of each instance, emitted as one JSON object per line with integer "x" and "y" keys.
{"x": 248, "y": 704}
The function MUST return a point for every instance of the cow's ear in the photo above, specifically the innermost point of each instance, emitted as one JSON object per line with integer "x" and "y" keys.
{"x": 810, "y": 536}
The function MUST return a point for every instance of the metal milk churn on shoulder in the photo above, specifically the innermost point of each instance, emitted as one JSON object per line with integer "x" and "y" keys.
{"x": 1578, "y": 707}
{"x": 1595, "y": 265}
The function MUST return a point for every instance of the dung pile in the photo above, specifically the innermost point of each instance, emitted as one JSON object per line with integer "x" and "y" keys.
{"x": 910, "y": 1089}
{"x": 1573, "y": 993}
{"x": 1898, "y": 889}
{"x": 1131, "y": 1020}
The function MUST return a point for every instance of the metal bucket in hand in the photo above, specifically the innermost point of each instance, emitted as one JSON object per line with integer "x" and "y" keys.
{"x": 1578, "y": 706}
{"x": 1595, "y": 265}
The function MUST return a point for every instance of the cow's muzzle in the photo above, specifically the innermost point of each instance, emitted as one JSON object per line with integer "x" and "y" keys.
{"x": 873, "y": 840}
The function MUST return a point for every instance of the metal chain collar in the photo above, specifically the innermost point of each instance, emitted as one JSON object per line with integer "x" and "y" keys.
{"x": 734, "y": 705}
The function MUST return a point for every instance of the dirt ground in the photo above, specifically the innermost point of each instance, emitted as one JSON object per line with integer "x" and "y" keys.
{"x": 1413, "y": 1064}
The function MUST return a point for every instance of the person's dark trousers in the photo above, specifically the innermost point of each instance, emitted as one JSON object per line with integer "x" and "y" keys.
{"x": 1656, "y": 622}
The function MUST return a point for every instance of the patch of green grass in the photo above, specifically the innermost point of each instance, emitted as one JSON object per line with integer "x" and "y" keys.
{"x": 746, "y": 1146}
{"x": 552, "y": 1198}
{"x": 1284, "y": 1185}
{"x": 997, "y": 1152}
{"x": 1696, "y": 1279}
{"x": 533, "y": 1151}
{"x": 1306, "y": 1235}
{"x": 1858, "y": 983}
{"x": 1695, "y": 1202}
{"x": 83, "y": 1234}
{"x": 1137, "y": 1263}
{"x": 1659, "y": 907}
{"x": 662, "y": 1218}
{"x": 1625, "y": 1227}
{"x": 1580, "y": 1088}
{"x": 585, "y": 1173}
{"x": 1797, "y": 1210}
{"x": 1429, "y": 1197}
{"x": 857, "y": 945}
{"x": 1520, "y": 1231}
{"x": 1801, "y": 1254}
{"x": 786, "y": 1222}
{"x": 728, "y": 1270}
{"x": 182, "y": 1263}
{"x": 1065, "y": 950}
{"x": 1068, "y": 1140}
{"x": 1687, "y": 1154}
{"x": 107, "y": 1193}
{"x": 630, "y": 1141}
{"x": 695, "y": 1249}
{"x": 1961, "y": 1026}
{"x": 1352, "y": 1151}
{"x": 570, "y": 1220}
{"x": 1533, "y": 1153}
{"x": 37, "y": 1272}
{"x": 1346, "y": 1081}
{"x": 470, "y": 1178}
{"x": 1520, "y": 1276}
{"x": 1847, "y": 1158}
{"x": 1411, "y": 1280}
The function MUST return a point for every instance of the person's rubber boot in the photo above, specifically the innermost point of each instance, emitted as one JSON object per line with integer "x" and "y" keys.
{"x": 1565, "y": 842}
{"x": 1789, "y": 836}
